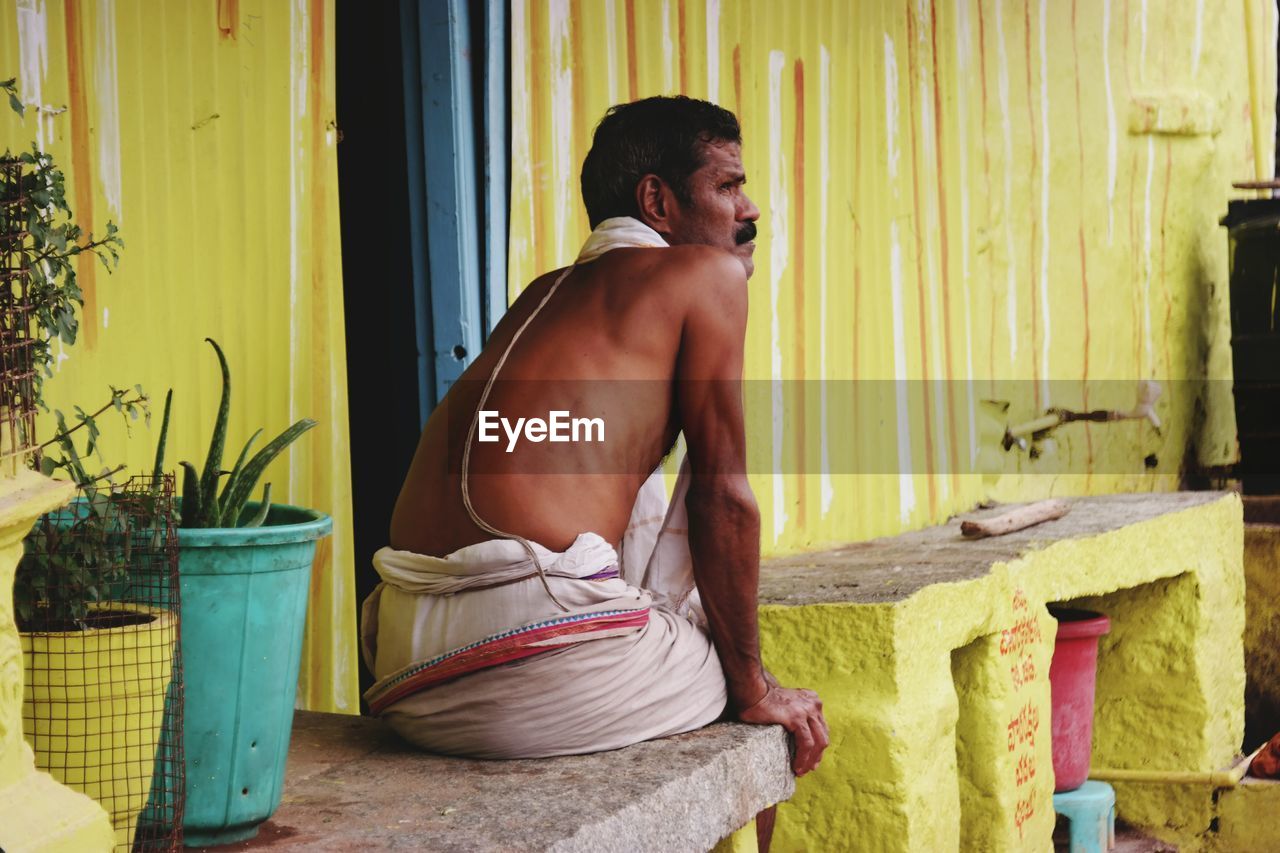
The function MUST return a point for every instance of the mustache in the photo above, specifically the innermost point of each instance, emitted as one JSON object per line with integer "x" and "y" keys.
{"x": 747, "y": 234}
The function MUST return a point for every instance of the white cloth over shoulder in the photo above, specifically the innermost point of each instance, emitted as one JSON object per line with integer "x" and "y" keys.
{"x": 619, "y": 232}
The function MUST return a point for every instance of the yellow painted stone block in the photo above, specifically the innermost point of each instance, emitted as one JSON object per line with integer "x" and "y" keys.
{"x": 40, "y": 814}
{"x": 1247, "y": 818}
{"x": 939, "y": 703}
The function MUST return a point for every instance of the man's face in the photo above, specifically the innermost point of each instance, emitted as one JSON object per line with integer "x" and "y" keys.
{"x": 720, "y": 213}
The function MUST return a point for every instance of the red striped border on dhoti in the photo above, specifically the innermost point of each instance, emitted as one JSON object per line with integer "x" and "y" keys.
{"x": 498, "y": 649}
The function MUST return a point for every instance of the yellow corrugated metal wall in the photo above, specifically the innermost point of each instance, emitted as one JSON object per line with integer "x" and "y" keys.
{"x": 1017, "y": 196}
{"x": 205, "y": 130}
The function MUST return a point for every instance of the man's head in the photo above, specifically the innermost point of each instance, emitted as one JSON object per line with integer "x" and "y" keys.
{"x": 676, "y": 165}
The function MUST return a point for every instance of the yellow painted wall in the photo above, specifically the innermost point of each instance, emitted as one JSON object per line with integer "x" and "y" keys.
{"x": 205, "y": 130}
{"x": 1019, "y": 197}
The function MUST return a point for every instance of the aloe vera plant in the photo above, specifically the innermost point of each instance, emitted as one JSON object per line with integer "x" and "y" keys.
{"x": 204, "y": 504}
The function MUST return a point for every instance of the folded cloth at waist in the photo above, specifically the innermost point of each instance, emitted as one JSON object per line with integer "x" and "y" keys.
{"x": 435, "y": 619}
{"x": 662, "y": 679}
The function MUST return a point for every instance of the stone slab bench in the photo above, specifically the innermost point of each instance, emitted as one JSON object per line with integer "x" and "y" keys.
{"x": 932, "y": 655}
{"x": 351, "y": 784}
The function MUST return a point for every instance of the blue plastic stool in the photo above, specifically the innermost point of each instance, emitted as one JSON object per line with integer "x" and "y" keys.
{"x": 1091, "y": 809}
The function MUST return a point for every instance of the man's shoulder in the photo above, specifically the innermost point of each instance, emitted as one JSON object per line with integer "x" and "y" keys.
{"x": 704, "y": 260}
{"x": 716, "y": 278}
{"x": 690, "y": 274}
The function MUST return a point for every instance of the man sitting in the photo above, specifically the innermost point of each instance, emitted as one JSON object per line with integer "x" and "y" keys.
{"x": 539, "y": 598}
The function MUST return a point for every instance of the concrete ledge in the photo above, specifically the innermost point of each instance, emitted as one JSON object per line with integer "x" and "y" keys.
{"x": 895, "y": 568}
{"x": 932, "y": 656}
{"x": 353, "y": 785}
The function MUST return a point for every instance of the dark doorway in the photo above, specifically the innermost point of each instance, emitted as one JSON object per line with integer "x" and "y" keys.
{"x": 382, "y": 356}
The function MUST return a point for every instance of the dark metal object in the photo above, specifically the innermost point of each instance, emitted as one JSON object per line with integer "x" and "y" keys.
{"x": 17, "y": 396}
{"x": 1254, "y": 240}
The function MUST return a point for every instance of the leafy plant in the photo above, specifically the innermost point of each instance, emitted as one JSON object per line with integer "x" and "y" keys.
{"x": 74, "y": 557}
{"x": 71, "y": 462}
{"x": 203, "y": 505}
{"x": 71, "y": 560}
{"x": 50, "y": 255}
{"x": 10, "y": 88}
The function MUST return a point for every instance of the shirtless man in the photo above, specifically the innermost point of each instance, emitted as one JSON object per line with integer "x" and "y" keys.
{"x": 651, "y": 341}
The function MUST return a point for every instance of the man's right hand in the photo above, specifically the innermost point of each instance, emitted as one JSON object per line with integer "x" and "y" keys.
{"x": 799, "y": 712}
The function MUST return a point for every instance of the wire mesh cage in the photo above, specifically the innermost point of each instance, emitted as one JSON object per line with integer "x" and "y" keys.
{"x": 17, "y": 393}
{"x": 97, "y": 600}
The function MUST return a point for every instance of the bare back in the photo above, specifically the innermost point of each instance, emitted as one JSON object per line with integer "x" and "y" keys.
{"x": 605, "y": 347}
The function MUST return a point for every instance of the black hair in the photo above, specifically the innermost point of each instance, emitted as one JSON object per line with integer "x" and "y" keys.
{"x": 662, "y": 136}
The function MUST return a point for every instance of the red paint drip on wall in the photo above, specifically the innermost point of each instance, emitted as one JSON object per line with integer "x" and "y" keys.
{"x": 228, "y": 18}
{"x": 1084, "y": 259}
{"x": 320, "y": 108}
{"x": 986, "y": 178}
{"x": 1035, "y": 354}
{"x": 927, "y": 407}
{"x": 1031, "y": 250}
{"x": 1084, "y": 379}
{"x": 737, "y": 79}
{"x": 944, "y": 253}
{"x": 539, "y": 114}
{"x": 1127, "y": 82}
{"x": 682, "y": 47}
{"x": 857, "y": 228}
{"x": 582, "y": 120}
{"x": 633, "y": 72}
{"x": 81, "y": 169}
{"x": 1084, "y": 264}
{"x": 1164, "y": 257}
{"x": 1132, "y": 255}
{"x": 798, "y": 424}
{"x": 855, "y": 209}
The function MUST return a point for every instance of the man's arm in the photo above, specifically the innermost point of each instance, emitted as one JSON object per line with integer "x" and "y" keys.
{"x": 724, "y": 521}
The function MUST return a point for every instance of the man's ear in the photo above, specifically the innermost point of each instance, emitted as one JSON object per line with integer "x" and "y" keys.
{"x": 655, "y": 202}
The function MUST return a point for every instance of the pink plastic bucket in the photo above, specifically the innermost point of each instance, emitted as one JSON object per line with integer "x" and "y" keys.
{"x": 1072, "y": 676}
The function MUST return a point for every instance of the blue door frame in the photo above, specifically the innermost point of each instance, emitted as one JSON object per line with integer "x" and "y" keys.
{"x": 458, "y": 187}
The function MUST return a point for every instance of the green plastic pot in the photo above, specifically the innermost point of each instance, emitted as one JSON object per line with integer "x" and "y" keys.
{"x": 244, "y": 603}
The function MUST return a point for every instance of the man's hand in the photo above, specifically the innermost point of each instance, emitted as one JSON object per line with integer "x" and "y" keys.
{"x": 799, "y": 712}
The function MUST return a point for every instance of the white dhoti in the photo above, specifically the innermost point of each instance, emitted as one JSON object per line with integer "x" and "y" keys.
{"x": 592, "y": 696}
{"x": 474, "y": 658}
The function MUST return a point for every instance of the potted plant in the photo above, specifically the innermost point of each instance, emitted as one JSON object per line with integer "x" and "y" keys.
{"x": 245, "y": 572}
{"x": 97, "y": 665}
{"x": 95, "y": 669}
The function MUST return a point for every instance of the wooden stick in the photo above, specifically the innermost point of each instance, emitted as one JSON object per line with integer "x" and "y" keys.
{"x": 1015, "y": 519}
